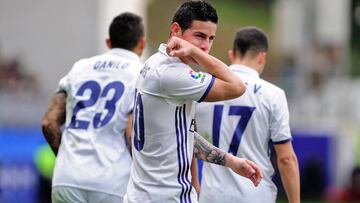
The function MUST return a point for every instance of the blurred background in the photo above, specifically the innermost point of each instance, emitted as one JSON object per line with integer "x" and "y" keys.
{"x": 314, "y": 56}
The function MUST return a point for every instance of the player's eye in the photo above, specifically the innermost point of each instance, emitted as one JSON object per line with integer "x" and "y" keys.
{"x": 200, "y": 36}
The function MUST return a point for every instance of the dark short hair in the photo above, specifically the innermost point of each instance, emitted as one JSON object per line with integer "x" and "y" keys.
{"x": 194, "y": 10}
{"x": 126, "y": 30}
{"x": 250, "y": 40}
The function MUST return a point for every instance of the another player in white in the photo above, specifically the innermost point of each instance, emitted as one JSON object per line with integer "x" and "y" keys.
{"x": 93, "y": 160}
{"x": 163, "y": 138}
{"x": 246, "y": 126}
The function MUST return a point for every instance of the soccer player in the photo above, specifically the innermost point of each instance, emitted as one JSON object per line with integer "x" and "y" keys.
{"x": 93, "y": 160}
{"x": 245, "y": 127}
{"x": 163, "y": 137}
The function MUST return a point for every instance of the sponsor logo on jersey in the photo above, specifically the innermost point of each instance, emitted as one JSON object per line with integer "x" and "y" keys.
{"x": 144, "y": 70}
{"x": 197, "y": 76}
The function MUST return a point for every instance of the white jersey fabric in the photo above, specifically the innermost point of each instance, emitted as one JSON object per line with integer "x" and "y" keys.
{"x": 245, "y": 127}
{"x": 65, "y": 194}
{"x": 93, "y": 154}
{"x": 163, "y": 141}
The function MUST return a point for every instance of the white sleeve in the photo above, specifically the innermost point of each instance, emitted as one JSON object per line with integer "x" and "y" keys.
{"x": 63, "y": 84}
{"x": 279, "y": 120}
{"x": 180, "y": 82}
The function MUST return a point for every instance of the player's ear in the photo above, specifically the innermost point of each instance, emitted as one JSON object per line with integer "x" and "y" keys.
{"x": 231, "y": 56}
{"x": 108, "y": 43}
{"x": 140, "y": 46}
{"x": 141, "y": 43}
{"x": 261, "y": 58}
{"x": 175, "y": 29}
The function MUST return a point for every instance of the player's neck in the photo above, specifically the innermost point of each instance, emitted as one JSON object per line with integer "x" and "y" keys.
{"x": 137, "y": 51}
{"x": 249, "y": 63}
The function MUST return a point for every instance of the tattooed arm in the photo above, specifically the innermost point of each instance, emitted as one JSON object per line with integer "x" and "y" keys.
{"x": 53, "y": 119}
{"x": 209, "y": 153}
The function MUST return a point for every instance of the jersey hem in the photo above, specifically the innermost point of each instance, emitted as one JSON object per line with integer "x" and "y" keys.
{"x": 87, "y": 188}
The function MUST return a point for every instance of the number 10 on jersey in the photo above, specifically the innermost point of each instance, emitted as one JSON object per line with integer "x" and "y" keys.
{"x": 139, "y": 130}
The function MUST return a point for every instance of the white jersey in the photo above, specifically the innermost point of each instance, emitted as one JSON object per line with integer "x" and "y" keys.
{"x": 162, "y": 140}
{"x": 93, "y": 154}
{"x": 245, "y": 127}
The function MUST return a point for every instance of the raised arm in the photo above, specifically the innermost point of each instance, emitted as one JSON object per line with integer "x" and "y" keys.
{"x": 289, "y": 171}
{"x": 53, "y": 119}
{"x": 209, "y": 153}
{"x": 226, "y": 86}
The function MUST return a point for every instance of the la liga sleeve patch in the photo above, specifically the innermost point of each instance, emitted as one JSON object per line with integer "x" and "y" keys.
{"x": 197, "y": 76}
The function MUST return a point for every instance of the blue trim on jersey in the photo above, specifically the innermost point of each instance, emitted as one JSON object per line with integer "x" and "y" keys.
{"x": 186, "y": 154}
{"x": 207, "y": 89}
{"x": 178, "y": 153}
{"x": 182, "y": 155}
{"x": 183, "y": 193}
{"x": 183, "y": 159}
{"x": 283, "y": 141}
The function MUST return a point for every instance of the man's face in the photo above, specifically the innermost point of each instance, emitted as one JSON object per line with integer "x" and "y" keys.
{"x": 200, "y": 34}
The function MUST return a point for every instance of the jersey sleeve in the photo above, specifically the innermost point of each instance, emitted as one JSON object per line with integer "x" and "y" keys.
{"x": 63, "y": 84}
{"x": 180, "y": 82}
{"x": 279, "y": 120}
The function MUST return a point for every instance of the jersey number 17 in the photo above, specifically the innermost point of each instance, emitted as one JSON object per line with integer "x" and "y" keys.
{"x": 244, "y": 112}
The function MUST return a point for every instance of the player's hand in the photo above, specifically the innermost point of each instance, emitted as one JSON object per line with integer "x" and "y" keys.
{"x": 177, "y": 47}
{"x": 245, "y": 168}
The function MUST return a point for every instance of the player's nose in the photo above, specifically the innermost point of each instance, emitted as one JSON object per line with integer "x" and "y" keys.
{"x": 205, "y": 46}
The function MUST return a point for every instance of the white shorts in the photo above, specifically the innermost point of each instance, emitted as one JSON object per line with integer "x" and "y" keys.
{"x": 65, "y": 194}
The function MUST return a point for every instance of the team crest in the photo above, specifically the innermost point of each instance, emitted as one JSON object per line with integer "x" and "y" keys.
{"x": 197, "y": 76}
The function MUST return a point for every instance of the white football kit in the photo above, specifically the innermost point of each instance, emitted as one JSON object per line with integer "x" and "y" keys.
{"x": 245, "y": 127}
{"x": 163, "y": 141}
{"x": 93, "y": 154}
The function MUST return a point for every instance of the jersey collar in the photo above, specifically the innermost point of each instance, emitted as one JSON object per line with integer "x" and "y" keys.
{"x": 244, "y": 69}
{"x": 125, "y": 53}
{"x": 162, "y": 49}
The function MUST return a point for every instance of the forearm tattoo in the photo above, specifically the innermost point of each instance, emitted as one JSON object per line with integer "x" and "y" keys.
{"x": 53, "y": 119}
{"x": 207, "y": 152}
